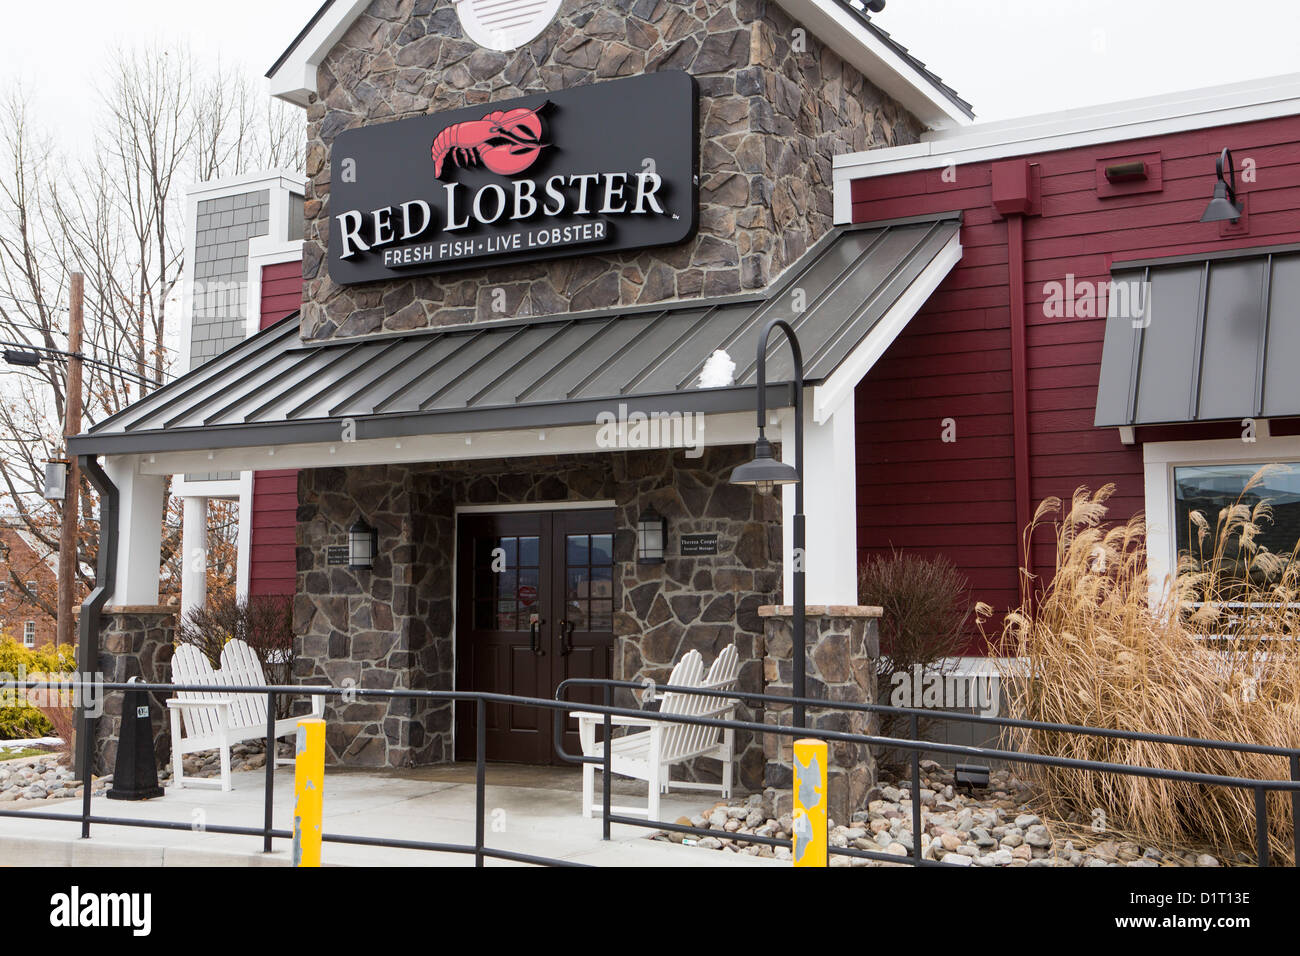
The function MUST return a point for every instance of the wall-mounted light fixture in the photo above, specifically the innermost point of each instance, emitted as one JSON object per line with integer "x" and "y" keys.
{"x": 363, "y": 544}
{"x": 1224, "y": 206}
{"x": 54, "y": 487}
{"x": 651, "y": 536}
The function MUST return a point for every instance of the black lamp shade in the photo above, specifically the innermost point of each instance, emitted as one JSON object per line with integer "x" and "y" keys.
{"x": 764, "y": 473}
{"x": 363, "y": 543}
{"x": 651, "y": 537}
{"x": 1221, "y": 208}
{"x": 1224, "y": 206}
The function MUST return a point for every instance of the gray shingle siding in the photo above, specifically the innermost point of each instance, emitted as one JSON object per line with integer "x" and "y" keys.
{"x": 220, "y": 270}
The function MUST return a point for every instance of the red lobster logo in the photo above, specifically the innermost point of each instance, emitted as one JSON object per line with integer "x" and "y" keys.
{"x": 505, "y": 142}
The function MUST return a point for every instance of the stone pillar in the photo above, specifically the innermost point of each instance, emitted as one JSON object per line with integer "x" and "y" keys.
{"x": 842, "y": 643}
{"x": 134, "y": 642}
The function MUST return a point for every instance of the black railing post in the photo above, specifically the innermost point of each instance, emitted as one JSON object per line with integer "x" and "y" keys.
{"x": 1295, "y": 811}
{"x": 915, "y": 729}
{"x": 480, "y": 778}
{"x": 87, "y": 747}
{"x": 1261, "y": 825}
{"x": 607, "y": 767}
{"x": 269, "y": 798}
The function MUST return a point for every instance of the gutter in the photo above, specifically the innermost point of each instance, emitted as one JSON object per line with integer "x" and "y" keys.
{"x": 92, "y": 608}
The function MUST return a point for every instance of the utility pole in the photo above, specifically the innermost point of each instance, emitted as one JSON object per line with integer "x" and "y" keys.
{"x": 72, "y": 498}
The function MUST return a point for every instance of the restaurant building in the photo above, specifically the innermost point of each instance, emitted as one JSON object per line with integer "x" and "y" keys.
{"x": 526, "y": 239}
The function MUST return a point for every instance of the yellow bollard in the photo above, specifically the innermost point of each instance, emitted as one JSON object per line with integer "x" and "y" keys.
{"x": 308, "y": 791}
{"x": 810, "y": 836}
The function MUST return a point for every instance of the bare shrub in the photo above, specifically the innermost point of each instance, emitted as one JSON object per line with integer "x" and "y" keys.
{"x": 263, "y": 622}
{"x": 926, "y": 606}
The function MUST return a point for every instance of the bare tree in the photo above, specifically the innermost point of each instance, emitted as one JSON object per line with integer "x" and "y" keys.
{"x": 117, "y": 217}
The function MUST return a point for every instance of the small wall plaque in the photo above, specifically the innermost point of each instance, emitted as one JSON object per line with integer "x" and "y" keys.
{"x": 697, "y": 544}
{"x": 336, "y": 554}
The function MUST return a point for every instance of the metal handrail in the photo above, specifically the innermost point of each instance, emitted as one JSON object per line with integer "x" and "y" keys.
{"x": 607, "y": 711}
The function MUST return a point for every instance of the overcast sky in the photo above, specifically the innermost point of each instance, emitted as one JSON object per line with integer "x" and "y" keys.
{"x": 1008, "y": 57}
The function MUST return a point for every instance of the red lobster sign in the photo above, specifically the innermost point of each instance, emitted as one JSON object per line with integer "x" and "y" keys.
{"x": 507, "y": 142}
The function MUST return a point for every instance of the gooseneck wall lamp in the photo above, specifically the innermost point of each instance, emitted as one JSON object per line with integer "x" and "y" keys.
{"x": 1224, "y": 207}
{"x": 764, "y": 474}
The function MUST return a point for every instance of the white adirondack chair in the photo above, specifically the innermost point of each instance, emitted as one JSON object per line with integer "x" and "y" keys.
{"x": 218, "y": 721}
{"x": 649, "y": 754}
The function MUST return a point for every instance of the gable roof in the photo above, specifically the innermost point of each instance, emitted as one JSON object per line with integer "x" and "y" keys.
{"x": 840, "y": 24}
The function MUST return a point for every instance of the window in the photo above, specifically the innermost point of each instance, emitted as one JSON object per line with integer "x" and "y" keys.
{"x": 29, "y": 634}
{"x": 1209, "y": 489}
{"x": 1165, "y": 464}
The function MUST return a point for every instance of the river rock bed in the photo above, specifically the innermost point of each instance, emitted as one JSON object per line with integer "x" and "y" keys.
{"x": 993, "y": 827}
{"x": 42, "y": 777}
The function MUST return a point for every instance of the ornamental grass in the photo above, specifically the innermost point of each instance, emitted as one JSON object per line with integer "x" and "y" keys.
{"x": 1210, "y": 653}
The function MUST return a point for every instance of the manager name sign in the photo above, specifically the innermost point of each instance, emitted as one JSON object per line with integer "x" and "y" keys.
{"x": 598, "y": 168}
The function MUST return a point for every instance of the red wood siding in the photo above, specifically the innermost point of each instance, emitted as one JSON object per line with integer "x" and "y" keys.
{"x": 272, "y": 564}
{"x": 281, "y": 291}
{"x": 916, "y": 492}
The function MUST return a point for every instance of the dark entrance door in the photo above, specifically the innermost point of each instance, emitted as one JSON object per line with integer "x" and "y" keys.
{"x": 535, "y": 605}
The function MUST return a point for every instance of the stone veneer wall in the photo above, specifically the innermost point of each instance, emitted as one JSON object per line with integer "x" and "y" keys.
{"x": 842, "y": 644}
{"x": 134, "y": 642}
{"x": 393, "y": 626}
{"x": 771, "y": 118}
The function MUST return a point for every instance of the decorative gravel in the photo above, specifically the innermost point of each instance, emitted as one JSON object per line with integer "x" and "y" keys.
{"x": 993, "y": 827}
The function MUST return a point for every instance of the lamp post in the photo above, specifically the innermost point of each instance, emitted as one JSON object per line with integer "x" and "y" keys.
{"x": 764, "y": 473}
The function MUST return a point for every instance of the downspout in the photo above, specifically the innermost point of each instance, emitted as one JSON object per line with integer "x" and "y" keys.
{"x": 92, "y": 608}
{"x": 1015, "y": 195}
{"x": 1019, "y": 387}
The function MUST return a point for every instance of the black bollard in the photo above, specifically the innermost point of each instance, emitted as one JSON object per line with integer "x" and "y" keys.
{"x": 135, "y": 776}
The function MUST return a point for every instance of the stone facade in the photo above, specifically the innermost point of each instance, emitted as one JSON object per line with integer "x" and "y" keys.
{"x": 775, "y": 107}
{"x": 134, "y": 642}
{"x": 394, "y": 627}
{"x": 842, "y": 644}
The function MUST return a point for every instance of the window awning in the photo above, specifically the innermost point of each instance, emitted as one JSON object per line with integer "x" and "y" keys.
{"x": 1202, "y": 338}
{"x": 274, "y": 389}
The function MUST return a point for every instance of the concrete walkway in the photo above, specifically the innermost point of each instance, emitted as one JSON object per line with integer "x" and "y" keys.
{"x": 530, "y": 810}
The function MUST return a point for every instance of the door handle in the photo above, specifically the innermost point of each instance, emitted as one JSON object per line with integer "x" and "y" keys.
{"x": 566, "y": 638}
{"x": 534, "y": 644}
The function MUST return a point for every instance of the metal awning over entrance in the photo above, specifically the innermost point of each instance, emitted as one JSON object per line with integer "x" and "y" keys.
{"x": 857, "y": 287}
{"x": 1202, "y": 338}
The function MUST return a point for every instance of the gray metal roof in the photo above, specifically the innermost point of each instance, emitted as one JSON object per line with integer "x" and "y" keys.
{"x": 1217, "y": 338}
{"x": 552, "y": 371}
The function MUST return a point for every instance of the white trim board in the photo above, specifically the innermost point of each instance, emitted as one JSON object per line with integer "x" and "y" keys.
{"x": 731, "y": 428}
{"x": 1108, "y": 123}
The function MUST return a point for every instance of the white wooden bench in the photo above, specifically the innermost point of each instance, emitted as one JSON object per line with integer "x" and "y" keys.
{"x": 650, "y": 753}
{"x": 219, "y": 720}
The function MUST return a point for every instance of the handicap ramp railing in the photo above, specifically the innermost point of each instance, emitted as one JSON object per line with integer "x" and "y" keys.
{"x": 805, "y": 838}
